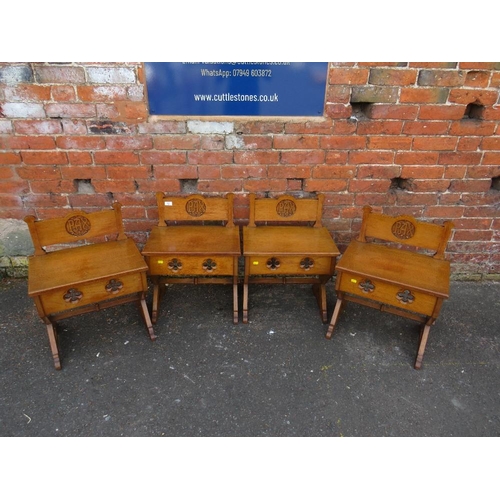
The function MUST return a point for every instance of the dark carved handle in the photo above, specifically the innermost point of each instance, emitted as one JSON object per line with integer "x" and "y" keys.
{"x": 405, "y": 296}
{"x": 367, "y": 286}
{"x": 209, "y": 265}
{"x": 273, "y": 263}
{"x": 114, "y": 286}
{"x": 175, "y": 265}
{"x": 73, "y": 296}
{"x": 306, "y": 263}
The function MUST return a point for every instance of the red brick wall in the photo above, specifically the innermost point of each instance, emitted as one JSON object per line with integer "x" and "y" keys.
{"x": 417, "y": 138}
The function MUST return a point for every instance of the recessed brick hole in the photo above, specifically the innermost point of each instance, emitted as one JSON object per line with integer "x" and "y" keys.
{"x": 189, "y": 186}
{"x": 400, "y": 183}
{"x": 495, "y": 183}
{"x": 84, "y": 186}
{"x": 360, "y": 110}
{"x": 474, "y": 112}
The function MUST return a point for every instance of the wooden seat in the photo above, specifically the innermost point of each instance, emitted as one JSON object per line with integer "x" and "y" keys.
{"x": 285, "y": 242}
{"x": 195, "y": 242}
{"x": 397, "y": 265}
{"x": 101, "y": 268}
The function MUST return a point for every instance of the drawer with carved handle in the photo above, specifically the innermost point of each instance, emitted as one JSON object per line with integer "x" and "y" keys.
{"x": 295, "y": 264}
{"x": 403, "y": 297}
{"x": 182, "y": 265}
{"x": 83, "y": 294}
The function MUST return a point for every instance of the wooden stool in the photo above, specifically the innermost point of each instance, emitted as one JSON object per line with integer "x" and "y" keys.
{"x": 279, "y": 250}
{"x": 400, "y": 281}
{"x": 191, "y": 248}
{"x": 70, "y": 281}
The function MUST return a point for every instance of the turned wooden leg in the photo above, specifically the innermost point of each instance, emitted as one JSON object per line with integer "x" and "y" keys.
{"x": 319, "y": 290}
{"x": 245, "y": 291}
{"x": 335, "y": 315}
{"x": 147, "y": 319}
{"x": 156, "y": 300}
{"x": 424, "y": 335}
{"x": 51, "y": 331}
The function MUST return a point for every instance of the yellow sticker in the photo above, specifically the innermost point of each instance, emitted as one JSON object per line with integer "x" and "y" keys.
{"x": 160, "y": 262}
{"x": 255, "y": 262}
{"x": 353, "y": 280}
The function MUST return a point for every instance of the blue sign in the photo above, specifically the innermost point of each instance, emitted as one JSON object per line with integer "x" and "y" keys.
{"x": 236, "y": 89}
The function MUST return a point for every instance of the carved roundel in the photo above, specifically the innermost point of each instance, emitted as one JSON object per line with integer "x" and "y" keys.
{"x": 286, "y": 208}
{"x": 77, "y": 225}
{"x": 196, "y": 207}
{"x": 403, "y": 229}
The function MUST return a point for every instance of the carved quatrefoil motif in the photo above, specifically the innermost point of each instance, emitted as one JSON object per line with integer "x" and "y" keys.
{"x": 114, "y": 286}
{"x": 306, "y": 263}
{"x": 209, "y": 265}
{"x": 273, "y": 263}
{"x": 72, "y": 296}
{"x": 175, "y": 265}
{"x": 405, "y": 296}
{"x": 367, "y": 286}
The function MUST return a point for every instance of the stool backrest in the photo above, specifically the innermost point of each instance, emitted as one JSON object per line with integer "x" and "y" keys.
{"x": 406, "y": 230}
{"x": 76, "y": 227}
{"x": 194, "y": 208}
{"x": 285, "y": 209}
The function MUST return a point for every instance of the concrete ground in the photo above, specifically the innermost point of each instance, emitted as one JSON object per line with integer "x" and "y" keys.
{"x": 275, "y": 376}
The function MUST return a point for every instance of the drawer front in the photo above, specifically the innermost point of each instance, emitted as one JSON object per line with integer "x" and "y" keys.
{"x": 183, "y": 265}
{"x": 290, "y": 264}
{"x": 88, "y": 293}
{"x": 387, "y": 293}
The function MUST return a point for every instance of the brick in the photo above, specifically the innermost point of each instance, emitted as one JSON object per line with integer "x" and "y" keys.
{"x": 208, "y": 157}
{"x": 482, "y": 171}
{"x": 44, "y": 157}
{"x": 477, "y": 79}
{"x": 343, "y": 142}
{"x": 434, "y": 143}
{"x": 390, "y": 142}
{"x": 74, "y": 127}
{"x": 472, "y": 127}
{"x": 348, "y": 76}
{"x": 114, "y": 186}
{"x": 468, "y": 235}
{"x": 177, "y": 142}
{"x": 459, "y": 158}
{"x": 339, "y": 94}
{"x": 63, "y": 93}
{"x": 490, "y": 158}
{"x": 336, "y": 157}
{"x": 333, "y": 172}
{"x": 35, "y": 127}
{"x": 476, "y": 96}
{"x": 440, "y": 78}
{"x": 424, "y": 95}
{"x": 9, "y": 158}
{"x": 256, "y": 157}
{"x": 296, "y": 142}
{"x": 308, "y": 127}
{"x": 260, "y": 186}
{"x": 259, "y": 127}
{"x": 422, "y": 172}
{"x": 378, "y": 171}
{"x": 369, "y": 185}
{"x": 392, "y": 111}
{"x": 26, "y": 93}
{"x": 28, "y": 142}
{"x": 70, "y": 110}
{"x": 131, "y": 111}
{"x": 469, "y": 143}
{"x": 280, "y": 172}
{"x": 430, "y": 185}
{"x": 444, "y": 212}
{"x": 59, "y": 74}
{"x": 399, "y": 77}
{"x": 242, "y": 171}
{"x": 5, "y": 125}
{"x": 449, "y": 65}
{"x": 325, "y": 185}
{"x": 115, "y": 157}
{"x": 110, "y": 75}
{"x": 488, "y": 143}
{"x": 38, "y": 173}
{"x": 470, "y": 185}
{"x": 248, "y": 142}
{"x": 307, "y": 157}
{"x": 101, "y": 93}
{"x": 441, "y": 112}
{"x": 374, "y": 94}
{"x": 209, "y": 172}
{"x": 83, "y": 172}
{"x": 14, "y": 74}
{"x": 21, "y": 110}
{"x": 129, "y": 142}
{"x": 58, "y": 186}
{"x": 122, "y": 173}
{"x": 426, "y": 128}
{"x": 480, "y": 65}
{"x": 380, "y": 127}
{"x": 416, "y": 158}
{"x": 212, "y": 142}
{"x": 162, "y": 127}
{"x": 377, "y": 157}
{"x": 175, "y": 172}
{"x": 220, "y": 186}
{"x": 78, "y": 142}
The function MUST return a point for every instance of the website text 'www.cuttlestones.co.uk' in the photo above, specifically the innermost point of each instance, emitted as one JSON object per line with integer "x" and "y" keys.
{"x": 228, "y": 97}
